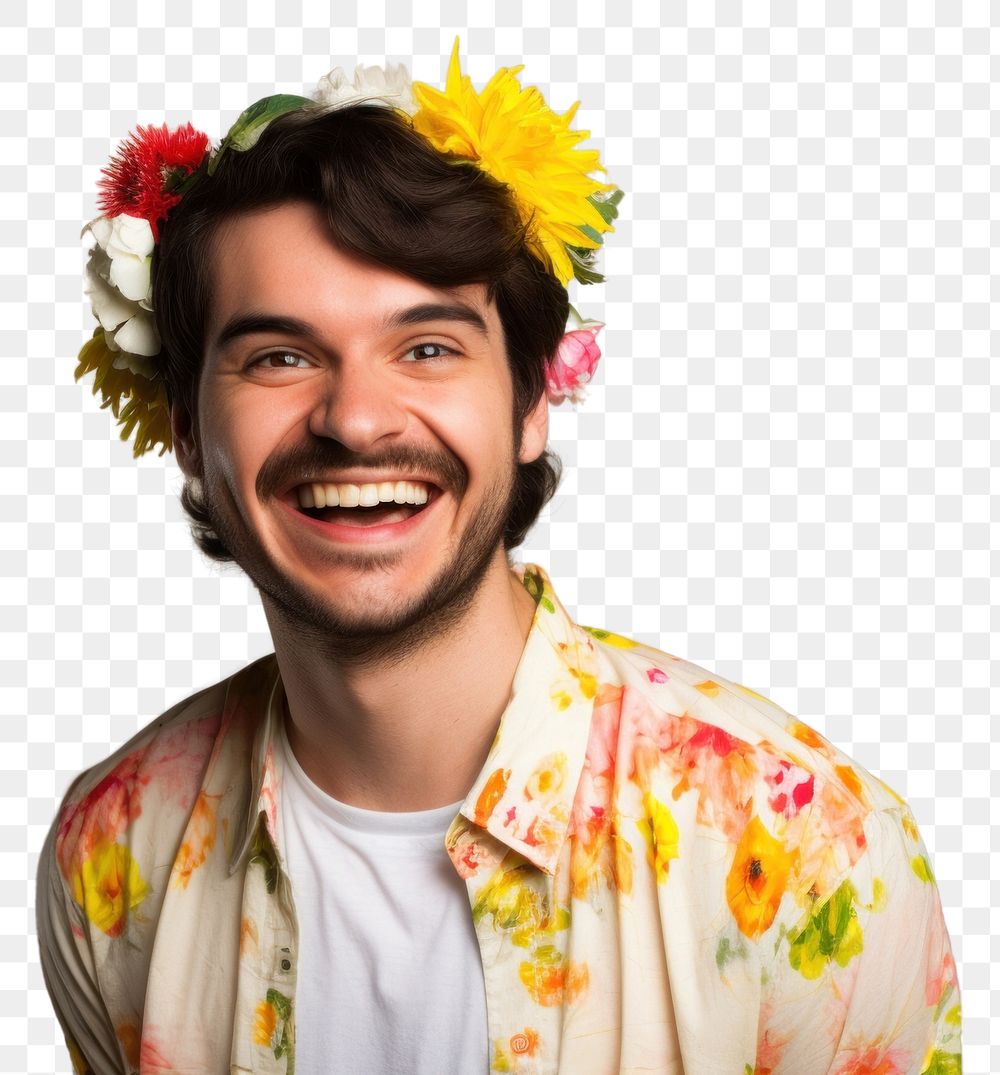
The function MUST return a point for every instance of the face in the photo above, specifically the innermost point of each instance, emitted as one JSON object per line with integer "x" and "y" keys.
{"x": 354, "y": 436}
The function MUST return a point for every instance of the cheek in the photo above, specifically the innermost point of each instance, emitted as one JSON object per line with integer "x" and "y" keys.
{"x": 242, "y": 428}
{"x": 476, "y": 431}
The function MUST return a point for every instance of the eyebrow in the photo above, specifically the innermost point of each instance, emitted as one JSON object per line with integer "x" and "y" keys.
{"x": 255, "y": 323}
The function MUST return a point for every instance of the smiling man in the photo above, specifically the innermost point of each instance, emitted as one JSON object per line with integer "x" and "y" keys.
{"x": 443, "y": 828}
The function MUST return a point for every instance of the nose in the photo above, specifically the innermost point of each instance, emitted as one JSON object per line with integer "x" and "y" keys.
{"x": 356, "y": 406}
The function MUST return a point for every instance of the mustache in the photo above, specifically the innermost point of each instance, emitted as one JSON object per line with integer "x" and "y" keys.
{"x": 307, "y": 462}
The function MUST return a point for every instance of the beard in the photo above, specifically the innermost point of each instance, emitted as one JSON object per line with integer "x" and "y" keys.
{"x": 369, "y": 636}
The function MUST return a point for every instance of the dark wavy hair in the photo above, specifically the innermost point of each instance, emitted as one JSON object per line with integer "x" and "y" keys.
{"x": 391, "y": 199}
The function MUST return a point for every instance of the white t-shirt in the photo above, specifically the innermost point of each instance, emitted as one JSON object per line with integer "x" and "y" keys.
{"x": 390, "y": 977}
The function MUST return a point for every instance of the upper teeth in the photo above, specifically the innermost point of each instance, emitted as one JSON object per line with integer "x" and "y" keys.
{"x": 323, "y": 495}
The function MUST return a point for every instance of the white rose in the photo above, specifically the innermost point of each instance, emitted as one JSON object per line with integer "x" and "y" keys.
{"x": 127, "y": 322}
{"x": 131, "y": 236}
{"x": 110, "y": 306}
{"x": 100, "y": 228}
{"x": 137, "y": 339}
{"x": 130, "y": 248}
{"x": 371, "y": 85}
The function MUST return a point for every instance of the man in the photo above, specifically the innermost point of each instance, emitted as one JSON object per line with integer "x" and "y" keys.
{"x": 443, "y": 828}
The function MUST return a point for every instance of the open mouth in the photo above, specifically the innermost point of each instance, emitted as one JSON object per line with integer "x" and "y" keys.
{"x": 369, "y": 505}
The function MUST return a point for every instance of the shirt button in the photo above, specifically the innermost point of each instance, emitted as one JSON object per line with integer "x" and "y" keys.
{"x": 286, "y": 964}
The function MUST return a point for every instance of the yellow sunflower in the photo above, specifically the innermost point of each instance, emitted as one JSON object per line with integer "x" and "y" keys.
{"x": 138, "y": 403}
{"x": 511, "y": 133}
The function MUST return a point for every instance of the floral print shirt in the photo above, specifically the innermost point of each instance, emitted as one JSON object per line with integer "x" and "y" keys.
{"x": 666, "y": 872}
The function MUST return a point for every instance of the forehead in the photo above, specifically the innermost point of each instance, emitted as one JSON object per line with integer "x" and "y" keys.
{"x": 282, "y": 260}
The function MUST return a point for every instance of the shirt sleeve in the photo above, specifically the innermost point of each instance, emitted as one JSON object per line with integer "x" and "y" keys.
{"x": 70, "y": 975}
{"x": 868, "y": 981}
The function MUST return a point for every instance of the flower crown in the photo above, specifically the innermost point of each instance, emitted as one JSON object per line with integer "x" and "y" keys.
{"x": 506, "y": 130}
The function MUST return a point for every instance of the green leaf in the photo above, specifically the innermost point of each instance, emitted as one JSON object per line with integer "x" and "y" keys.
{"x": 252, "y": 122}
{"x": 832, "y": 934}
{"x": 281, "y": 1004}
{"x": 262, "y": 853}
{"x": 591, "y": 233}
{"x": 583, "y": 261}
{"x": 942, "y": 1063}
{"x": 607, "y": 204}
{"x": 727, "y": 952}
{"x": 283, "y": 1007}
{"x": 534, "y": 585}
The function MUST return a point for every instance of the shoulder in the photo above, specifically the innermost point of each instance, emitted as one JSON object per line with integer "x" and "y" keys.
{"x": 125, "y": 816}
{"x": 731, "y": 767}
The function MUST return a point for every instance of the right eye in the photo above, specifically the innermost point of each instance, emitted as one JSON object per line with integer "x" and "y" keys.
{"x": 280, "y": 360}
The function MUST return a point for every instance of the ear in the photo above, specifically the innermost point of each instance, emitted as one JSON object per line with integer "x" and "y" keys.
{"x": 535, "y": 431}
{"x": 185, "y": 442}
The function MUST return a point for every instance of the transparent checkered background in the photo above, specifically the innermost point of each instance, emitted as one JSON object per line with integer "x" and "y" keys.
{"x": 784, "y": 469}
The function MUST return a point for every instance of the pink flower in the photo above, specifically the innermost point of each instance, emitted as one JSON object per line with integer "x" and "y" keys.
{"x": 574, "y": 363}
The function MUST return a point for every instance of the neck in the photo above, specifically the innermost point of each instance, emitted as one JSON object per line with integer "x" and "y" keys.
{"x": 407, "y": 732}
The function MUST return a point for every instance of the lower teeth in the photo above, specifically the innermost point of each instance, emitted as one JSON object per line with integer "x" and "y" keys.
{"x": 373, "y": 516}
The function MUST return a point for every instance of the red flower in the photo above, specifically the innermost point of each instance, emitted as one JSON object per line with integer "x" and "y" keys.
{"x": 142, "y": 176}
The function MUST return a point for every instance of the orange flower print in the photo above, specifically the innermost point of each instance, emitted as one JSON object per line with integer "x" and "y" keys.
{"x": 265, "y": 1023}
{"x": 548, "y": 779}
{"x": 492, "y": 793}
{"x": 272, "y": 1023}
{"x": 600, "y": 854}
{"x": 874, "y": 1060}
{"x": 516, "y": 1055}
{"x": 525, "y": 1042}
{"x": 551, "y": 979}
{"x": 249, "y": 939}
{"x": 660, "y": 832}
{"x": 605, "y": 728}
{"x": 910, "y": 826}
{"x": 722, "y": 770}
{"x": 811, "y": 738}
{"x": 852, "y": 782}
{"x": 623, "y": 863}
{"x": 829, "y": 836}
{"x": 199, "y": 840}
{"x": 108, "y": 885}
{"x": 757, "y": 879}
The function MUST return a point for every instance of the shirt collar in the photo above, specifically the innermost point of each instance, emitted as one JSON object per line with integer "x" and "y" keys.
{"x": 262, "y": 804}
{"x": 524, "y": 794}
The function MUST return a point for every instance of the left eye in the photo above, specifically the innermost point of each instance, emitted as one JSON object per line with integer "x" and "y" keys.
{"x": 420, "y": 351}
